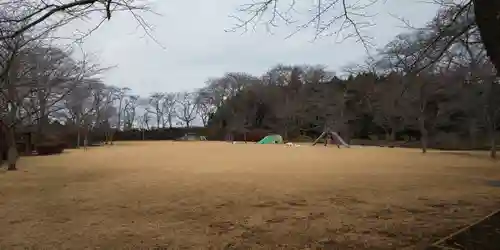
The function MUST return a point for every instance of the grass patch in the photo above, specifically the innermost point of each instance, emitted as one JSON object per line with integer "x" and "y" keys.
{"x": 220, "y": 195}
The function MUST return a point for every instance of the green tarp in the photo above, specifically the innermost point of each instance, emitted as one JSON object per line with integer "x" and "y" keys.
{"x": 271, "y": 139}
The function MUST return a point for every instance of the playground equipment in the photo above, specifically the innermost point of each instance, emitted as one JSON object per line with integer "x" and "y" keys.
{"x": 334, "y": 136}
{"x": 271, "y": 139}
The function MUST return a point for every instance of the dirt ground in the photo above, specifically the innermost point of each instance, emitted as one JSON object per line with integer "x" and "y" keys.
{"x": 216, "y": 195}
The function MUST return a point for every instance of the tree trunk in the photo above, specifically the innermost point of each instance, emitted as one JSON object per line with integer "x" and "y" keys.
{"x": 387, "y": 136}
{"x": 78, "y": 138}
{"x": 119, "y": 122}
{"x": 493, "y": 140}
{"x": 488, "y": 21}
{"x": 43, "y": 118}
{"x": 4, "y": 146}
{"x": 386, "y": 132}
{"x": 78, "y": 122}
{"x": 492, "y": 117}
{"x": 393, "y": 125}
{"x": 111, "y": 136}
{"x": 493, "y": 150}
{"x": 12, "y": 154}
{"x": 423, "y": 134}
{"x": 170, "y": 118}
{"x": 390, "y": 135}
{"x": 472, "y": 134}
{"x": 27, "y": 140}
{"x": 30, "y": 141}
{"x": 228, "y": 136}
{"x": 285, "y": 133}
{"x": 86, "y": 139}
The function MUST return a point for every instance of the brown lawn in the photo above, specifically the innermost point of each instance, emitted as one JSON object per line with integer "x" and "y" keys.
{"x": 215, "y": 195}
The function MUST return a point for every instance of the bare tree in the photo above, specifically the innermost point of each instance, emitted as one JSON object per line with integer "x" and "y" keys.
{"x": 347, "y": 19}
{"x": 12, "y": 87}
{"x": 156, "y": 102}
{"x": 204, "y": 105}
{"x": 78, "y": 107}
{"x": 387, "y": 105}
{"x": 344, "y": 19}
{"x": 90, "y": 109}
{"x": 186, "y": 110}
{"x": 120, "y": 94}
{"x": 145, "y": 121}
{"x": 42, "y": 17}
{"x": 286, "y": 94}
{"x": 169, "y": 109}
{"x": 379, "y": 95}
{"x": 98, "y": 101}
{"x": 405, "y": 56}
{"x": 144, "y": 117}
{"x": 329, "y": 106}
{"x": 220, "y": 89}
{"x": 130, "y": 111}
{"x": 35, "y": 81}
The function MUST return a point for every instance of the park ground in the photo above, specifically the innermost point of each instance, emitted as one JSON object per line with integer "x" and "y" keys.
{"x": 215, "y": 195}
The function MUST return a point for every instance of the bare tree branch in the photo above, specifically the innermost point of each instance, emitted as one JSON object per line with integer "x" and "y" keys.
{"x": 351, "y": 18}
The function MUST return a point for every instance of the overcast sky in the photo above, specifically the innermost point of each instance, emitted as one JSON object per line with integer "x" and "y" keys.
{"x": 196, "y": 45}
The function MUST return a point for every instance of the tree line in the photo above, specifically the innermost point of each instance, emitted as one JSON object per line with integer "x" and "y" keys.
{"x": 434, "y": 83}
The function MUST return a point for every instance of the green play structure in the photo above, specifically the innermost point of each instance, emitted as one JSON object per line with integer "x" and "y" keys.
{"x": 271, "y": 139}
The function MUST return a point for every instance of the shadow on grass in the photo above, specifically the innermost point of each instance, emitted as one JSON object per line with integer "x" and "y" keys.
{"x": 484, "y": 234}
{"x": 479, "y": 154}
{"x": 35, "y": 154}
{"x": 493, "y": 183}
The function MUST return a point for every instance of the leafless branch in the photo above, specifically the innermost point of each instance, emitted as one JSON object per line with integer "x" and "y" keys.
{"x": 324, "y": 15}
{"x": 46, "y": 17}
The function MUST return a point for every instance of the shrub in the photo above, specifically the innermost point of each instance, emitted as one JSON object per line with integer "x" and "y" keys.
{"x": 303, "y": 138}
{"x": 21, "y": 147}
{"x": 253, "y": 135}
{"x": 448, "y": 141}
{"x": 364, "y": 142}
{"x": 3, "y": 155}
{"x": 50, "y": 148}
{"x": 51, "y": 144}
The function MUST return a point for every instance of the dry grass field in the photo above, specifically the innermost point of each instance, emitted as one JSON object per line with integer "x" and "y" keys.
{"x": 215, "y": 195}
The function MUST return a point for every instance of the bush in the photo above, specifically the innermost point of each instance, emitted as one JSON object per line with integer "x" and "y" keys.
{"x": 51, "y": 145}
{"x": 365, "y": 142}
{"x": 3, "y": 155}
{"x": 50, "y": 148}
{"x": 253, "y": 135}
{"x": 303, "y": 138}
{"x": 448, "y": 141}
